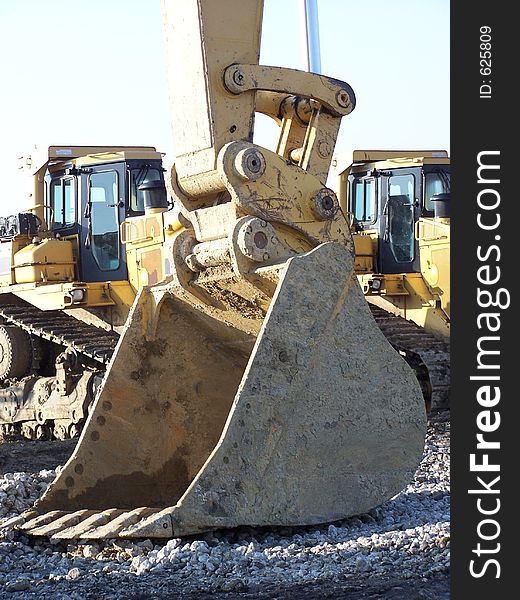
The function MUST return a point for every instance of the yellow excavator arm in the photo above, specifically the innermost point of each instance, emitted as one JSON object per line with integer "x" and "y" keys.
{"x": 252, "y": 386}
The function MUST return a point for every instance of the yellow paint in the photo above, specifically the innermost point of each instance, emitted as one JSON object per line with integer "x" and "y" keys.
{"x": 421, "y": 297}
{"x": 45, "y": 260}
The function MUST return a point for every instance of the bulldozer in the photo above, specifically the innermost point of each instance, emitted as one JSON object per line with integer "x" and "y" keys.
{"x": 398, "y": 204}
{"x": 69, "y": 278}
{"x": 250, "y": 384}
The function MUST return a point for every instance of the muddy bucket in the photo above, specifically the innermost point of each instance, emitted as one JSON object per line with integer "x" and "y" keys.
{"x": 305, "y": 417}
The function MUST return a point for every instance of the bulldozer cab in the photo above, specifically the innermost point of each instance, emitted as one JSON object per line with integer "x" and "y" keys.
{"x": 390, "y": 199}
{"x": 87, "y": 203}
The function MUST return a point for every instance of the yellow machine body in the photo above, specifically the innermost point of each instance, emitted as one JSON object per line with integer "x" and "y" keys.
{"x": 43, "y": 270}
{"x": 45, "y": 260}
{"x": 420, "y": 293}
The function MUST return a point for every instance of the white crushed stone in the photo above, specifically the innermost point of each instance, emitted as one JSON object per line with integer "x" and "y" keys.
{"x": 19, "y": 491}
{"x": 408, "y": 536}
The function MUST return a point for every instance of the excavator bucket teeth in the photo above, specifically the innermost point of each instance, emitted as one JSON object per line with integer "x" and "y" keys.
{"x": 18, "y": 520}
{"x": 313, "y": 419}
{"x": 87, "y": 525}
{"x": 113, "y": 526}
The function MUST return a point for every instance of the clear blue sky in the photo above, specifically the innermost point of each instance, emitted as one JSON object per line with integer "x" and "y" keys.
{"x": 93, "y": 72}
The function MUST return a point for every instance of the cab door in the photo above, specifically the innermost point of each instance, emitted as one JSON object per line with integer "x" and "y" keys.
{"x": 398, "y": 248}
{"x": 103, "y": 210}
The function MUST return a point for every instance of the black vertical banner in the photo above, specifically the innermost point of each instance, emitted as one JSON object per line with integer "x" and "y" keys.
{"x": 485, "y": 333}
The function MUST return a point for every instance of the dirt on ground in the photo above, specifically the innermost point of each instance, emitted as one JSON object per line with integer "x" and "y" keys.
{"x": 362, "y": 588}
{"x": 19, "y": 454}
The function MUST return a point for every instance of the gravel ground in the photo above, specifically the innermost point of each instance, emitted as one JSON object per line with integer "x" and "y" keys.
{"x": 31, "y": 457}
{"x": 399, "y": 550}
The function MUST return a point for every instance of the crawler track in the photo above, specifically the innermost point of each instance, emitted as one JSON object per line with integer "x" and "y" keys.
{"x": 433, "y": 352}
{"x": 41, "y": 404}
{"x": 60, "y": 328}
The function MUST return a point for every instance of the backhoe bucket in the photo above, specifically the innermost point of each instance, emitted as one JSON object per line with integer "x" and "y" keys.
{"x": 205, "y": 425}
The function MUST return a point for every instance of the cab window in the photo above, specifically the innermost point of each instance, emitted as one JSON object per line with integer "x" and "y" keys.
{"x": 104, "y": 222}
{"x": 62, "y": 203}
{"x": 436, "y": 182}
{"x": 400, "y": 215}
{"x": 364, "y": 200}
{"x": 137, "y": 176}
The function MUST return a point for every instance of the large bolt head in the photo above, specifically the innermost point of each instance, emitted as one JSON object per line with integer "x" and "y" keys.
{"x": 257, "y": 240}
{"x": 325, "y": 205}
{"x": 250, "y": 164}
{"x": 343, "y": 99}
{"x": 238, "y": 77}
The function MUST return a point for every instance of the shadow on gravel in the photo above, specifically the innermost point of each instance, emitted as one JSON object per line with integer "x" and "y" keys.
{"x": 21, "y": 455}
{"x": 434, "y": 588}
